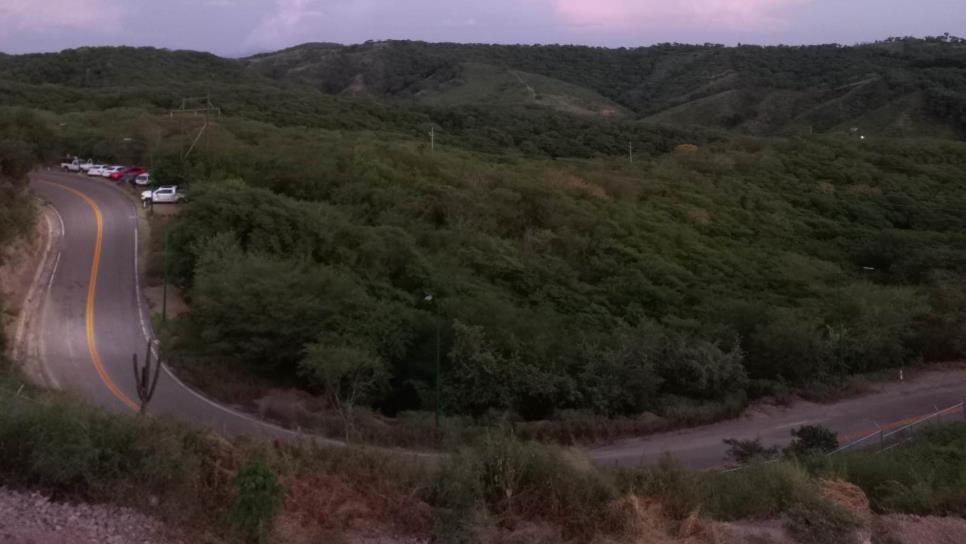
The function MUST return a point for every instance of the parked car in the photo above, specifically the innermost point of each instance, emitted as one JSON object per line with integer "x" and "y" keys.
{"x": 143, "y": 179}
{"x": 76, "y": 165}
{"x": 96, "y": 170}
{"x": 162, "y": 195}
{"x": 116, "y": 176}
{"x": 110, "y": 170}
{"x": 126, "y": 179}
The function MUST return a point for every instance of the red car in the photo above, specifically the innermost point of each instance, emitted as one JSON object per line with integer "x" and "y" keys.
{"x": 134, "y": 170}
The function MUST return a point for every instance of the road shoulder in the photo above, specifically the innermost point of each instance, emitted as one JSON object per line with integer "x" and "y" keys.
{"x": 26, "y": 282}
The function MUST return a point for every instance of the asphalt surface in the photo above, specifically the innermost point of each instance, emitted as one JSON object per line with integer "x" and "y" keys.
{"x": 888, "y": 406}
{"x": 92, "y": 319}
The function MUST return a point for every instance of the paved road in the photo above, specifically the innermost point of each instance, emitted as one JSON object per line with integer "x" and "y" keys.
{"x": 891, "y": 405}
{"x": 92, "y": 318}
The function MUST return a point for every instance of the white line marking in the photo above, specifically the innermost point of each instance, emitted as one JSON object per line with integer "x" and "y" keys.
{"x": 148, "y": 336}
{"x": 50, "y": 284}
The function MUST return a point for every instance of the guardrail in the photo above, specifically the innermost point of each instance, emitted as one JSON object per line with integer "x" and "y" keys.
{"x": 886, "y": 439}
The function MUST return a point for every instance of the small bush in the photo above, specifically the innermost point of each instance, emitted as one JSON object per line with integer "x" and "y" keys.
{"x": 749, "y": 451}
{"x": 759, "y": 492}
{"x": 812, "y": 440}
{"x": 257, "y": 497}
{"x": 682, "y": 491}
{"x": 506, "y": 480}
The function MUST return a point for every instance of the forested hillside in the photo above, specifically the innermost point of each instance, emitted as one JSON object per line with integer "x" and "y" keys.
{"x": 900, "y": 86}
{"x": 755, "y": 242}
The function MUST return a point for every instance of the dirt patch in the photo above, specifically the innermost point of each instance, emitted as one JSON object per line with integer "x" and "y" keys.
{"x": 176, "y": 306}
{"x": 572, "y": 181}
{"x": 699, "y": 216}
{"x": 848, "y": 496}
{"x": 328, "y": 504}
{"x": 903, "y": 529}
{"x": 761, "y": 532}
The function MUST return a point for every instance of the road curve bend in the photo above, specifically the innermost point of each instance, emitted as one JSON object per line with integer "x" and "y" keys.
{"x": 92, "y": 318}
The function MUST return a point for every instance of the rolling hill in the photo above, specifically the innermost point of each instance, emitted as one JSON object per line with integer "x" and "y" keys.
{"x": 900, "y": 86}
{"x": 897, "y": 87}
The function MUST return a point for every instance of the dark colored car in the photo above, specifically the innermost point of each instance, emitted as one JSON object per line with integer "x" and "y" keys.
{"x": 129, "y": 178}
{"x": 135, "y": 170}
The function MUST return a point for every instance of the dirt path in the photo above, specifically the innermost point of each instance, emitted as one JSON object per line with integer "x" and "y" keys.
{"x": 887, "y": 406}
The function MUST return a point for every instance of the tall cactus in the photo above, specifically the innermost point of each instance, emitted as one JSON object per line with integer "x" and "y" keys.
{"x": 145, "y": 381}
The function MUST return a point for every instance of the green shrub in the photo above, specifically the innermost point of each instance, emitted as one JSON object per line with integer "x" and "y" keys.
{"x": 257, "y": 498}
{"x": 65, "y": 446}
{"x": 924, "y": 476}
{"x": 503, "y": 479}
{"x": 749, "y": 451}
{"x": 681, "y": 490}
{"x": 811, "y": 440}
{"x": 761, "y": 491}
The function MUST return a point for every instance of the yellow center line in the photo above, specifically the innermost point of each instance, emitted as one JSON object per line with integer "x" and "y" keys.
{"x": 91, "y": 291}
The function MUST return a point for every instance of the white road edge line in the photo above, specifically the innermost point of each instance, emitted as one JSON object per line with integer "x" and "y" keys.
{"x": 148, "y": 336}
{"x": 20, "y": 330}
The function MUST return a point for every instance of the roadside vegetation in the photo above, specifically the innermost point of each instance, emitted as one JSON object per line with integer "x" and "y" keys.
{"x": 577, "y": 295}
{"x": 498, "y": 489}
{"x": 689, "y": 281}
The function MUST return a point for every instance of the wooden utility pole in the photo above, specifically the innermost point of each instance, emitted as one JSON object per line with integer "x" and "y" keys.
{"x": 630, "y": 152}
{"x": 432, "y": 138}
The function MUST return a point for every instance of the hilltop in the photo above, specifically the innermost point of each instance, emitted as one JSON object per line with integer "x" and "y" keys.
{"x": 898, "y": 87}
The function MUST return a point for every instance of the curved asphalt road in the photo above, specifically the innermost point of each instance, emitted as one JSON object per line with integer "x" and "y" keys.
{"x": 91, "y": 319}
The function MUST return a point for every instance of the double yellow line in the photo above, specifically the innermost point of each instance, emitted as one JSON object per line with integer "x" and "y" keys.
{"x": 91, "y": 292}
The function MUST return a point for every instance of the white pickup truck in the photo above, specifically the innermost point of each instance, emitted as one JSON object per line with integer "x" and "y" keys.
{"x": 76, "y": 165}
{"x": 162, "y": 195}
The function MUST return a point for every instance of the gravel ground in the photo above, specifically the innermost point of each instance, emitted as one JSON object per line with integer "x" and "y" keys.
{"x": 28, "y": 518}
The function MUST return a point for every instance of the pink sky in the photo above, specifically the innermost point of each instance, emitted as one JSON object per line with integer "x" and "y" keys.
{"x": 237, "y": 27}
{"x": 743, "y": 14}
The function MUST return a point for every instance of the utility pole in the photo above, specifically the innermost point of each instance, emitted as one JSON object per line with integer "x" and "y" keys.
{"x": 630, "y": 151}
{"x": 432, "y": 139}
{"x": 207, "y": 109}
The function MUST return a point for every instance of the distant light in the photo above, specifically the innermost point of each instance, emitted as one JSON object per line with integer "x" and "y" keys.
{"x": 868, "y": 268}
{"x": 862, "y": 137}
{"x": 428, "y": 298}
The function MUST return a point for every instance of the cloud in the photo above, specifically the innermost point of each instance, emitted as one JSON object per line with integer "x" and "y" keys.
{"x": 43, "y": 14}
{"x": 289, "y": 19}
{"x": 743, "y": 14}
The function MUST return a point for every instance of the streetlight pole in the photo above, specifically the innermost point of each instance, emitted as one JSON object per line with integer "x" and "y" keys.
{"x": 164, "y": 288}
{"x": 436, "y": 317}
